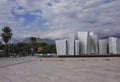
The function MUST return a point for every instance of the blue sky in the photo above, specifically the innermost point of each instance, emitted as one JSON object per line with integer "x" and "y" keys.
{"x": 58, "y": 18}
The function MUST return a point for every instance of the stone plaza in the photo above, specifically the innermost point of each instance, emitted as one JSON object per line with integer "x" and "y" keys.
{"x": 31, "y": 69}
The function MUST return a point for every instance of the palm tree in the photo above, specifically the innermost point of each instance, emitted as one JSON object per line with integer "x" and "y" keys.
{"x": 33, "y": 42}
{"x": 6, "y": 36}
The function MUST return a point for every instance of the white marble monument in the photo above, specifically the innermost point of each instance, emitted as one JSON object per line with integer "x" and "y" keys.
{"x": 114, "y": 45}
{"x": 103, "y": 44}
{"x": 61, "y": 47}
{"x": 93, "y": 43}
{"x": 71, "y": 44}
{"x": 84, "y": 39}
{"x": 87, "y": 43}
{"x": 77, "y": 47}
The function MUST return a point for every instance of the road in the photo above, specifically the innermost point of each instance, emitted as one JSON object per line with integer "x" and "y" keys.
{"x": 27, "y": 70}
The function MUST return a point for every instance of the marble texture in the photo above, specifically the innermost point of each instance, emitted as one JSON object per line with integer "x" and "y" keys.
{"x": 96, "y": 44}
{"x": 103, "y": 44}
{"x": 61, "y": 47}
{"x": 93, "y": 43}
{"x": 110, "y": 45}
{"x": 87, "y": 43}
{"x": 77, "y": 47}
{"x": 71, "y": 44}
{"x": 83, "y": 37}
{"x": 114, "y": 44}
{"x": 118, "y": 45}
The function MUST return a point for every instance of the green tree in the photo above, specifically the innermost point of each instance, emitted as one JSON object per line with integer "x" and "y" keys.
{"x": 6, "y": 36}
{"x": 33, "y": 42}
{"x": 21, "y": 48}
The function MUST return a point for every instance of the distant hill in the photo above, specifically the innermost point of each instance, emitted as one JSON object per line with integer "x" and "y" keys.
{"x": 115, "y": 35}
{"x": 27, "y": 40}
{"x": 48, "y": 41}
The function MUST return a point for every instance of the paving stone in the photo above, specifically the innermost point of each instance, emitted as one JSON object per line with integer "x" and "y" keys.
{"x": 62, "y": 71}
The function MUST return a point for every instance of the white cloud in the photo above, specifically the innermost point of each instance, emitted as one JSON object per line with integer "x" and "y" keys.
{"x": 21, "y": 20}
{"x": 20, "y": 11}
{"x": 62, "y": 17}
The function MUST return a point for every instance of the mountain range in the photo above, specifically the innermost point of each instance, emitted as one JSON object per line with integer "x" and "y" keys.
{"x": 27, "y": 40}
{"x": 50, "y": 41}
{"x": 115, "y": 35}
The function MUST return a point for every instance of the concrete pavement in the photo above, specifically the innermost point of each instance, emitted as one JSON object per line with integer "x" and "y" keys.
{"x": 4, "y": 62}
{"x": 62, "y": 71}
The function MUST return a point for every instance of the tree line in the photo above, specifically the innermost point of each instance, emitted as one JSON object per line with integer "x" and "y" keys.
{"x": 22, "y": 49}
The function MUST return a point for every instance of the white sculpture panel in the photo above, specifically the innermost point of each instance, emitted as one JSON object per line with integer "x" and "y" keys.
{"x": 118, "y": 45}
{"x": 87, "y": 43}
{"x": 93, "y": 43}
{"x": 83, "y": 37}
{"x": 61, "y": 47}
{"x": 77, "y": 47}
{"x": 71, "y": 44}
{"x": 103, "y": 46}
{"x": 113, "y": 45}
{"x": 110, "y": 45}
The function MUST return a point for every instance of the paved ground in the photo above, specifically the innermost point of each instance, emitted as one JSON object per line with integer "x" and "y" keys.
{"x": 60, "y": 71}
{"x": 4, "y": 62}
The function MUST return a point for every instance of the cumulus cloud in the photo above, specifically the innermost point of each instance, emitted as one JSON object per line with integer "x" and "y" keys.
{"x": 57, "y": 18}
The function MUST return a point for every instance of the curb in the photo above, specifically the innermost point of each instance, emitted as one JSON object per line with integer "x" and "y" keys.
{"x": 76, "y": 59}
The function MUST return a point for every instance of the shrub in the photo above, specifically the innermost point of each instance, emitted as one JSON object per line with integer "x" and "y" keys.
{"x": 2, "y": 54}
